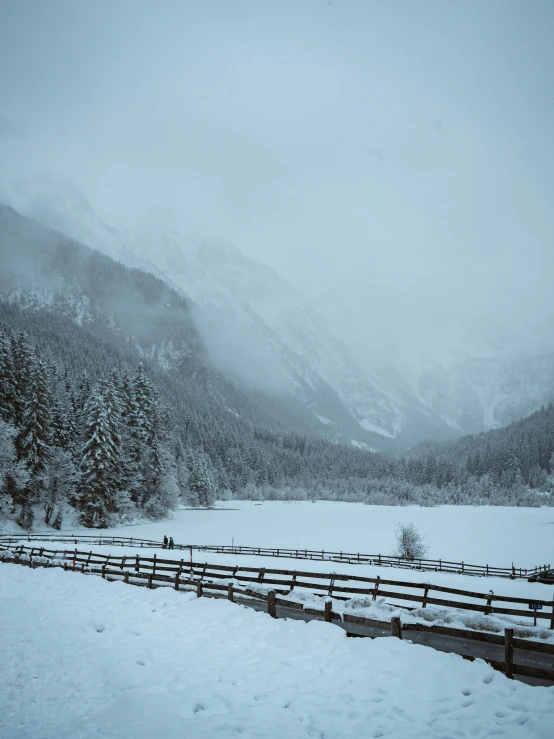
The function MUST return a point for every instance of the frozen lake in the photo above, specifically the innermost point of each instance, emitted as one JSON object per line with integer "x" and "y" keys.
{"x": 495, "y": 536}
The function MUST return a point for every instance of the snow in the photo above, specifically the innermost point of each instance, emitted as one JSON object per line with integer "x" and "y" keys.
{"x": 82, "y": 658}
{"x": 496, "y": 536}
{"x": 477, "y": 535}
{"x": 324, "y": 421}
{"x": 368, "y": 425}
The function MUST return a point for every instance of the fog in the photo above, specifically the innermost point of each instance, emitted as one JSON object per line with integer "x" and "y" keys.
{"x": 393, "y": 160}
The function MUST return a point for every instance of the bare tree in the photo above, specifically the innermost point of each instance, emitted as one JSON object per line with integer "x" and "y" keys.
{"x": 409, "y": 542}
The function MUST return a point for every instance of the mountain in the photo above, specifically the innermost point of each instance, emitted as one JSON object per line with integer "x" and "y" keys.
{"x": 261, "y": 334}
{"x": 62, "y": 207}
{"x": 480, "y": 394}
{"x": 110, "y": 309}
{"x": 256, "y": 328}
{"x": 279, "y": 337}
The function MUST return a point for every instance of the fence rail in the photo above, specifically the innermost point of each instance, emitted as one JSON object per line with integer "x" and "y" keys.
{"x": 380, "y": 560}
{"x": 339, "y": 586}
{"x": 246, "y": 583}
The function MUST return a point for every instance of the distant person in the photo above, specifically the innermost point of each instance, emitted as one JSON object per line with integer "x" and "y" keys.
{"x": 164, "y": 546}
{"x": 171, "y": 542}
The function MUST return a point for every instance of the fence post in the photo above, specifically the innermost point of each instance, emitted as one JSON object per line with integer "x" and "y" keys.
{"x": 396, "y": 627}
{"x": 424, "y": 605}
{"x": 509, "y": 652}
{"x": 552, "y": 617}
{"x": 376, "y": 588}
{"x": 177, "y": 581}
{"x": 150, "y": 580}
{"x": 230, "y": 592}
{"x": 199, "y": 591}
{"x": 104, "y": 571}
{"x": 137, "y": 563}
{"x": 271, "y": 605}
{"x": 126, "y": 577}
{"x": 329, "y": 611}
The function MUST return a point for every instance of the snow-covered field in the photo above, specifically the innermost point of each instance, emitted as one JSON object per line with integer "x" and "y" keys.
{"x": 495, "y": 536}
{"x": 84, "y": 658}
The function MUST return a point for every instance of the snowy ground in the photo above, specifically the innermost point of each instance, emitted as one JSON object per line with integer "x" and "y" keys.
{"x": 83, "y": 658}
{"x": 494, "y": 536}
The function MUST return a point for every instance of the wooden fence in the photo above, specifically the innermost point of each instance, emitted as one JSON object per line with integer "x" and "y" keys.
{"x": 339, "y": 586}
{"x": 380, "y": 560}
{"x": 224, "y": 581}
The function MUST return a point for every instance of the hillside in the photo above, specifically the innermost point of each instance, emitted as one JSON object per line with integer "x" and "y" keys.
{"x": 92, "y": 334}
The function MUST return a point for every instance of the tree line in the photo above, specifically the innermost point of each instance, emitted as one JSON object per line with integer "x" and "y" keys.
{"x": 106, "y": 448}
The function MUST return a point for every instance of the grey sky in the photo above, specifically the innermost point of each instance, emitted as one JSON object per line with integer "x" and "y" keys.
{"x": 398, "y": 154}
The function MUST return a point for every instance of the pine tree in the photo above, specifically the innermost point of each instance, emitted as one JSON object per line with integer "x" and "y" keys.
{"x": 131, "y": 472}
{"x": 26, "y": 516}
{"x": 22, "y": 356}
{"x": 201, "y": 479}
{"x": 7, "y": 462}
{"x": 61, "y": 482}
{"x": 145, "y": 400}
{"x": 8, "y": 390}
{"x": 35, "y": 436}
{"x": 98, "y": 460}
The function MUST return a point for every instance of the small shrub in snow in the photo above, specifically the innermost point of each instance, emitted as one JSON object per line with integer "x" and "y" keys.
{"x": 26, "y": 516}
{"x": 409, "y": 542}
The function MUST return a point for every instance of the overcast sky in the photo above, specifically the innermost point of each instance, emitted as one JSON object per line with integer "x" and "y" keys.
{"x": 395, "y": 156}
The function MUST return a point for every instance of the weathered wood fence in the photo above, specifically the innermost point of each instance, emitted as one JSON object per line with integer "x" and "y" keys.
{"x": 380, "y": 560}
{"x": 249, "y": 583}
{"x": 284, "y": 582}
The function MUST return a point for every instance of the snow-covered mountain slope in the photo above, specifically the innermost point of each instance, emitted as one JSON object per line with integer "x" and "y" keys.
{"x": 256, "y": 326}
{"x": 258, "y": 329}
{"x": 488, "y": 393}
{"x": 272, "y": 327}
{"x": 86, "y": 310}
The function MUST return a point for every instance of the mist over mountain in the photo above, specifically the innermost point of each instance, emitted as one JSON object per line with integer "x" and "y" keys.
{"x": 258, "y": 330}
